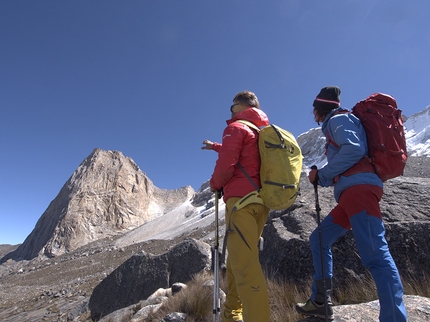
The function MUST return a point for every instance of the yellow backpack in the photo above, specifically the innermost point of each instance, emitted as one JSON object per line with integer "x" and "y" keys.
{"x": 281, "y": 166}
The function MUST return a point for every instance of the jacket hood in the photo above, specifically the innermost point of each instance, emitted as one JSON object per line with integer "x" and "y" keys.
{"x": 254, "y": 115}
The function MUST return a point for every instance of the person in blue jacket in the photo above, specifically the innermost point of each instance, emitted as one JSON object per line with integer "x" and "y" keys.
{"x": 357, "y": 191}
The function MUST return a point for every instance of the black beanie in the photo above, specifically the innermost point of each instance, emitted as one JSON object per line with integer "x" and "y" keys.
{"x": 327, "y": 99}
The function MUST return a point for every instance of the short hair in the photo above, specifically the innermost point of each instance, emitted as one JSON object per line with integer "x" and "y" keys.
{"x": 247, "y": 98}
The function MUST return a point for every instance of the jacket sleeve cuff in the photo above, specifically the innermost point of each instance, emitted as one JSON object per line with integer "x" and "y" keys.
{"x": 216, "y": 146}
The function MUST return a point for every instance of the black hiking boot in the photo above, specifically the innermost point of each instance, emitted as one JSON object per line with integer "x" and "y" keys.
{"x": 310, "y": 308}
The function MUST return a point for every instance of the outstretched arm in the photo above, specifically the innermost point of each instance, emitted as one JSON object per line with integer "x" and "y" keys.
{"x": 209, "y": 145}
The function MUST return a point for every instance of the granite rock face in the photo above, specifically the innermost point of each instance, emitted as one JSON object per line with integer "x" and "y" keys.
{"x": 107, "y": 195}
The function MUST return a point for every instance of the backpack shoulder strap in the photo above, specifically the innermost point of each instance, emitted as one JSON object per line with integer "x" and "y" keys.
{"x": 249, "y": 124}
{"x": 248, "y": 176}
{"x": 329, "y": 138}
{"x": 254, "y": 127}
{"x": 331, "y": 141}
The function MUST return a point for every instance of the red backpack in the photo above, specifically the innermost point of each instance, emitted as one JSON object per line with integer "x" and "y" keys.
{"x": 383, "y": 123}
{"x": 386, "y": 141}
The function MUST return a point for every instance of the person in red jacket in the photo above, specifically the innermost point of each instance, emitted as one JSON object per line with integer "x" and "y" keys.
{"x": 247, "y": 293}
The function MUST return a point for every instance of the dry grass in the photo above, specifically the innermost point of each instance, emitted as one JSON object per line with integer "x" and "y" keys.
{"x": 283, "y": 296}
{"x": 358, "y": 291}
{"x": 417, "y": 285}
{"x": 197, "y": 299}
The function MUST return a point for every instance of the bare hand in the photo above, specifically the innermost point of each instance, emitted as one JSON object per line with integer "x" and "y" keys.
{"x": 313, "y": 176}
{"x": 207, "y": 145}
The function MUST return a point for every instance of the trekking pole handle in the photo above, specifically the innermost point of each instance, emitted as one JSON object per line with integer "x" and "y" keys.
{"x": 315, "y": 183}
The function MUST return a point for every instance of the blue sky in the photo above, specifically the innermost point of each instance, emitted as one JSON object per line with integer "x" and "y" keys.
{"x": 153, "y": 79}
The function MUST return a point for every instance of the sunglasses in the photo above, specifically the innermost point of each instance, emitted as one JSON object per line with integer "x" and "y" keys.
{"x": 231, "y": 107}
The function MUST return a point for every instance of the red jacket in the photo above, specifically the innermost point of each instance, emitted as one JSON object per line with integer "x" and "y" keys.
{"x": 239, "y": 145}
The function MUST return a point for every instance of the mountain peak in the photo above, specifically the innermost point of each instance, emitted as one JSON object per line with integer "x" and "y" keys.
{"x": 107, "y": 195}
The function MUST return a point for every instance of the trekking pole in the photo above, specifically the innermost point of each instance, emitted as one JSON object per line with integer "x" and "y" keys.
{"x": 217, "y": 302}
{"x": 318, "y": 209}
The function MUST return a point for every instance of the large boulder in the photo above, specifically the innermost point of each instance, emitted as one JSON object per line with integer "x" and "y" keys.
{"x": 143, "y": 274}
{"x": 406, "y": 212}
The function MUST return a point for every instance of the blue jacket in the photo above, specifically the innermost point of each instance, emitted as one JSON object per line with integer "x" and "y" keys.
{"x": 346, "y": 131}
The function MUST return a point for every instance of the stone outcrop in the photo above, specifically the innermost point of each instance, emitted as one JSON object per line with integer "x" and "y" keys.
{"x": 107, "y": 195}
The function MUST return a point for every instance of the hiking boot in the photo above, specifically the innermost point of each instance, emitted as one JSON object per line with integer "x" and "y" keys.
{"x": 310, "y": 308}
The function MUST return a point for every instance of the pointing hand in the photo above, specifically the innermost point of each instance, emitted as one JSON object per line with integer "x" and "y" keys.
{"x": 207, "y": 145}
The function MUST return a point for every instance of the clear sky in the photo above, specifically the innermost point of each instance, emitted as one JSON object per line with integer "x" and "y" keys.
{"x": 153, "y": 79}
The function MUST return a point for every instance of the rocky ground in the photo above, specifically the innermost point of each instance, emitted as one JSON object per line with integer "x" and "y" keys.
{"x": 58, "y": 289}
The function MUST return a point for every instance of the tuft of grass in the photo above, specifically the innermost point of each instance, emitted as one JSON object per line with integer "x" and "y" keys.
{"x": 359, "y": 290}
{"x": 418, "y": 284}
{"x": 283, "y": 296}
{"x": 196, "y": 300}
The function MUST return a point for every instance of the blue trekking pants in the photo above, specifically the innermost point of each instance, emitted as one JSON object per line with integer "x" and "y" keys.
{"x": 358, "y": 208}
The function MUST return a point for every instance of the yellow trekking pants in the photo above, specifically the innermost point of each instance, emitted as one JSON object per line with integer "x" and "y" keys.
{"x": 247, "y": 293}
